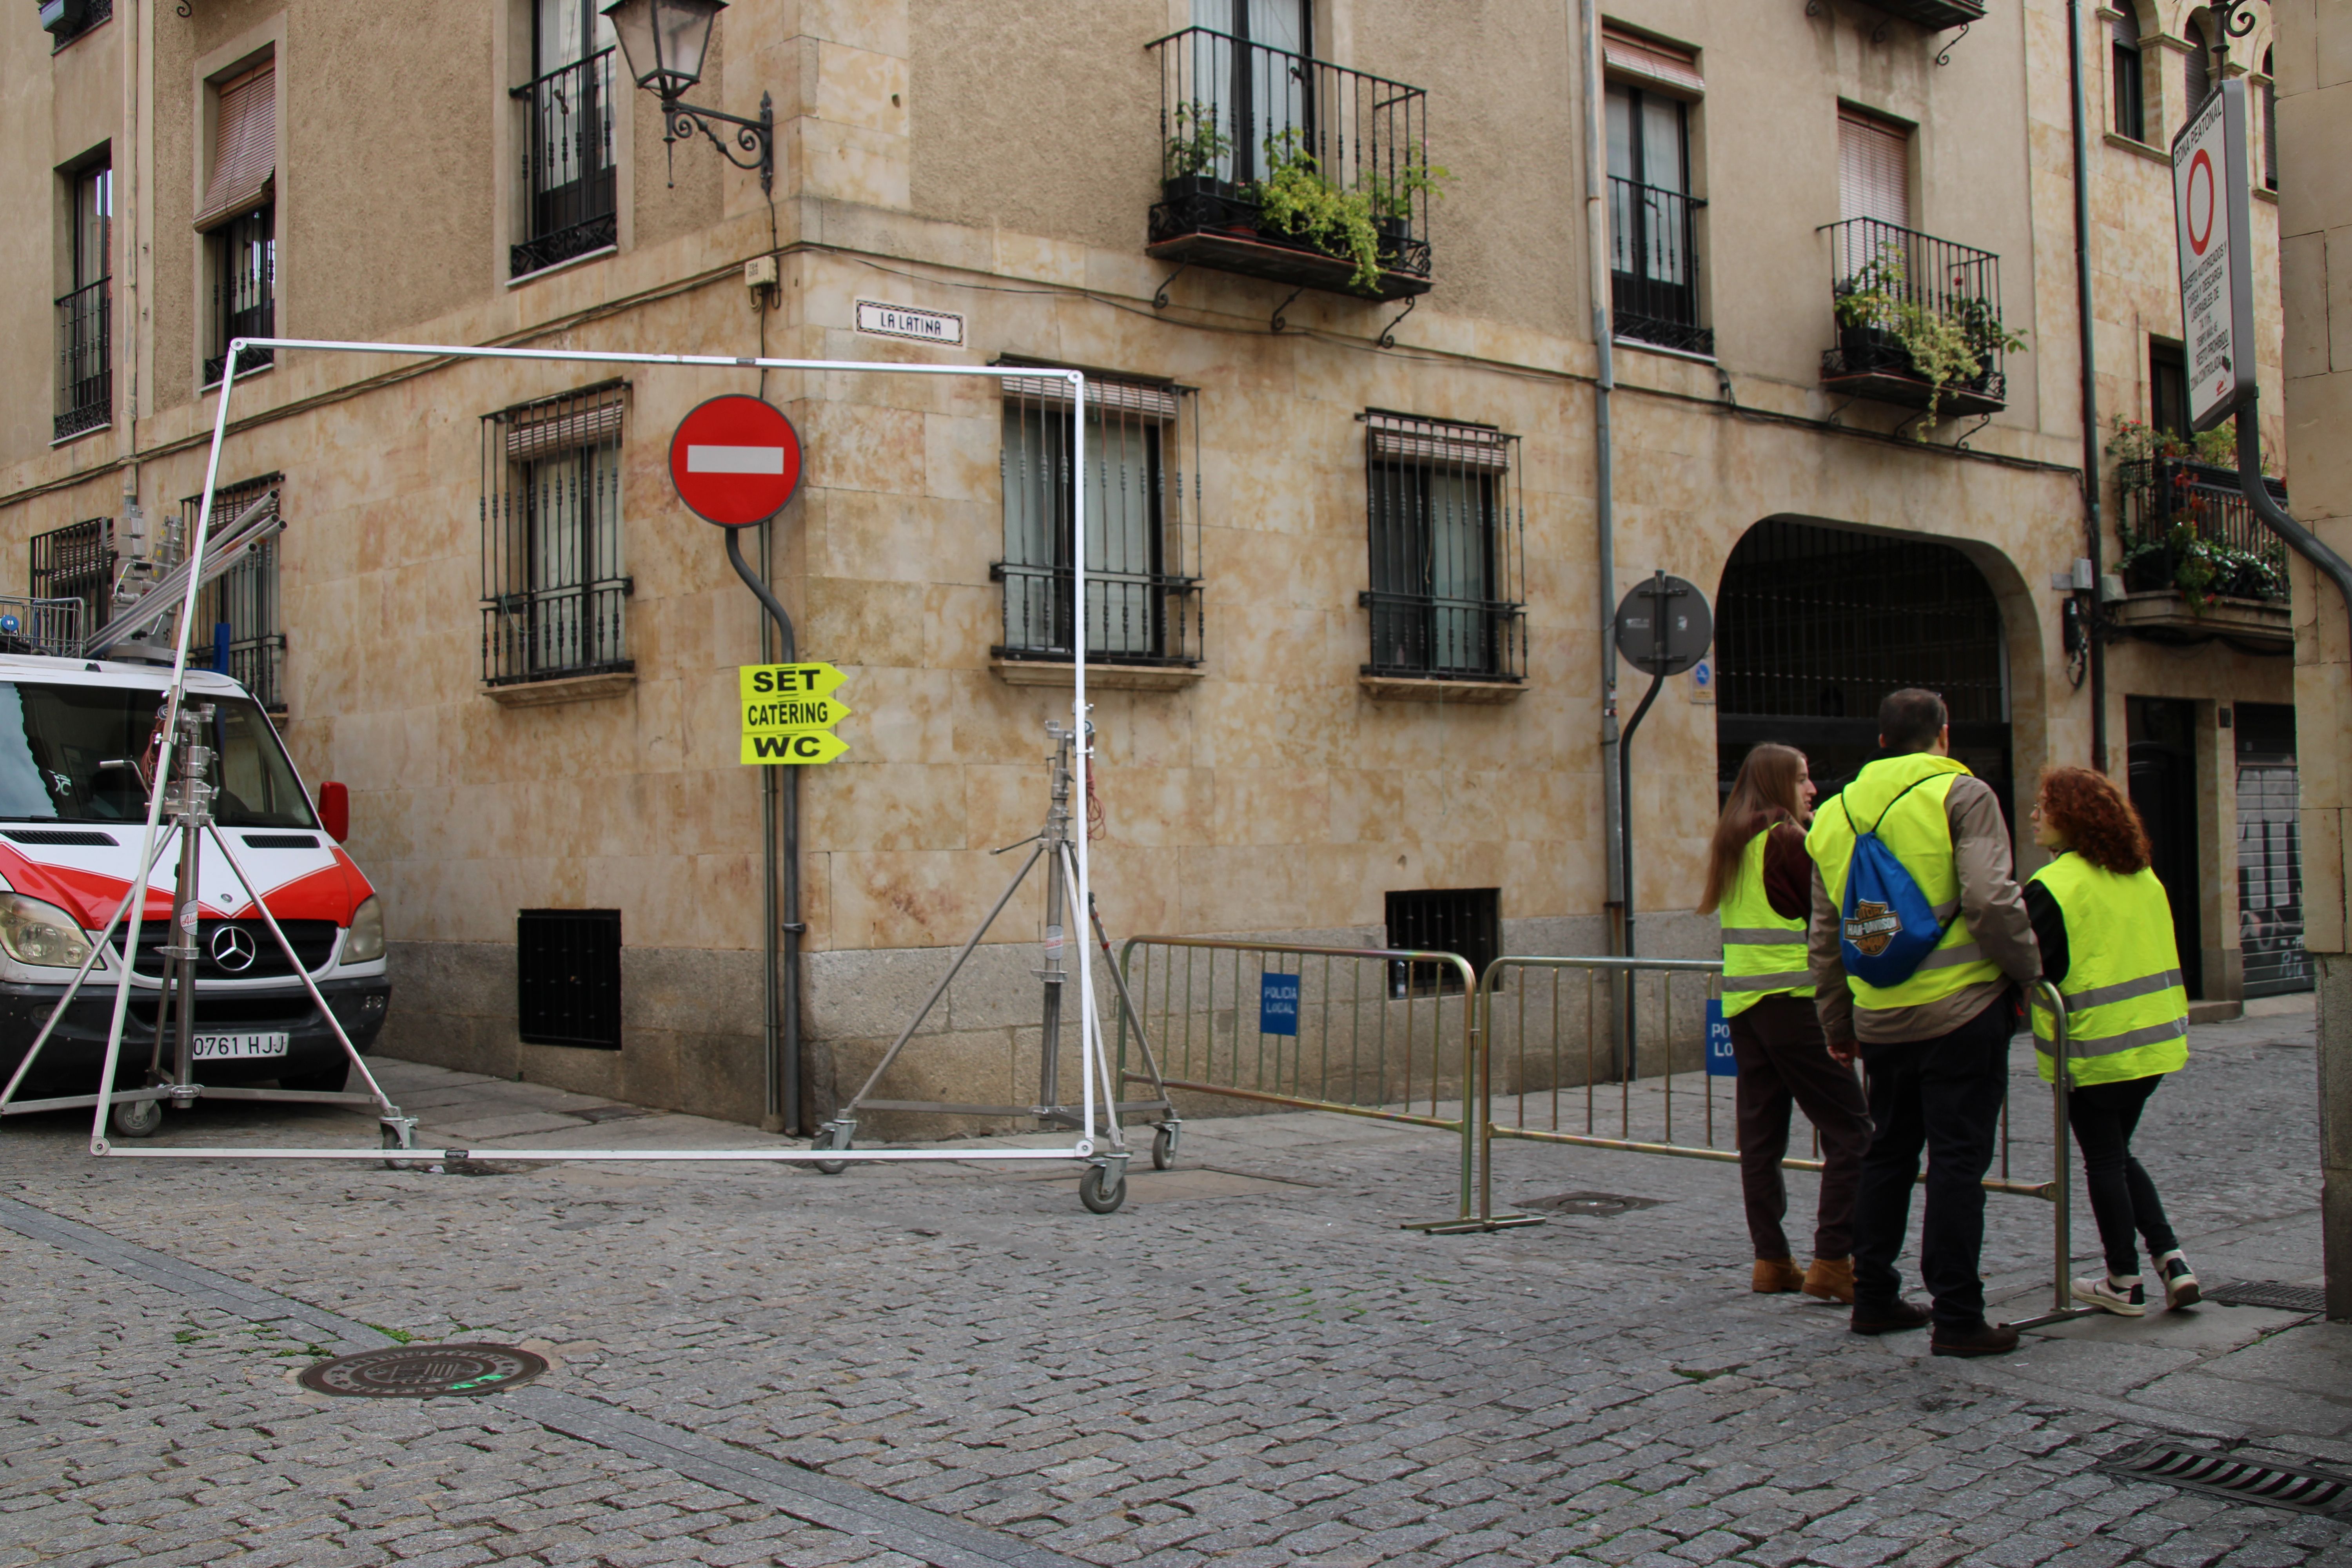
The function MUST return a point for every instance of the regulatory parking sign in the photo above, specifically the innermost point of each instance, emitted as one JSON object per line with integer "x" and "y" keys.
{"x": 2217, "y": 276}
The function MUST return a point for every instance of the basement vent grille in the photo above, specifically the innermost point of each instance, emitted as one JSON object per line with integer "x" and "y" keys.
{"x": 2236, "y": 1477}
{"x": 2268, "y": 1293}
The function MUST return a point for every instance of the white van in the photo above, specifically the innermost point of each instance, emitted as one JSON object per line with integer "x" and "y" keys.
{"x": 74, "y": 758}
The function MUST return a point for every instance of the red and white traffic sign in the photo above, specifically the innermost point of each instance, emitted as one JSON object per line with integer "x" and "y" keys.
{"x": 736, "y": 461}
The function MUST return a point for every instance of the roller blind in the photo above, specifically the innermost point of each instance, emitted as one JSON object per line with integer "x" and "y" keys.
{"x": 244, "y": 147}
{"x": 1650, "y": 60}
{"x": 1874, "y": 169}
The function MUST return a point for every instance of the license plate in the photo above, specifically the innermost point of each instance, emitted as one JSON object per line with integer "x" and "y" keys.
{"x": 221, "y": 1047}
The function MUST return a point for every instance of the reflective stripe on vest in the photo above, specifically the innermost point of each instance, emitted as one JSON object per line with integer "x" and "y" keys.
{"x": 1920, "y": 835}
{"x": 2127, "y": 1011}
{"x": 1763, "y": 955}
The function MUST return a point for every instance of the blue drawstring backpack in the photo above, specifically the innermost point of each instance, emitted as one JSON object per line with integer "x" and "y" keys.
{"x": 1889, "y": 928}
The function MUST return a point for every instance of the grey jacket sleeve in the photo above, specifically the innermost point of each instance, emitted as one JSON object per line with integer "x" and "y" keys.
{"x": 1990, "y": 898}
{"x": 1833, "y": 1003}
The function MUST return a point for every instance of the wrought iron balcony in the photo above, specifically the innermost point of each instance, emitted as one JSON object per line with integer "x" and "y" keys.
{"x": 567, "y": 188}
{"x": 1653, "y": 267}
{"x": 2187, "y": 527}
{"x": 85, "y": 359}
{"x": 1243, "y": 128}
{"x": 1892, "y": 289}
{"x": 1132, "y": 617}
{"x": 1935, "y": 15}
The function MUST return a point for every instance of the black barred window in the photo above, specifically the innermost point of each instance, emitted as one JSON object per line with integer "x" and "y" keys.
{"x": 1447, "y": 556}
{"x": 77, "y": 561}
{"x": 1143, "y": 539}
{"x": 554, "y": 582}
{"x": 238, "y": 628}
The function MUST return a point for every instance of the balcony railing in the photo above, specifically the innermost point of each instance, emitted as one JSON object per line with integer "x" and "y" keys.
{"x": 1132, "y": 617}
{"x": 1434, "y": 637}
{"x": 85, "y": 359}
{"x": 1886, "y": 281}
{"x": 2188, "y": 527}
{"x": 1236, "y": 116}
{"x": 1653, "y": 267}
{"x": 244, "y": 291}
{"x": 556, "y": 632}
{"x": 567, "y": 188}
{"x": 1935, "y": 15}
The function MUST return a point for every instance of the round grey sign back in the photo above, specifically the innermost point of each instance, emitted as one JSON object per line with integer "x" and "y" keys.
{"x": 1664, "y": 626}
{"x": 424, "y": 1372}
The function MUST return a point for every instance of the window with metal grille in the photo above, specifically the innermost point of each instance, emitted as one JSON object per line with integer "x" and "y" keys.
{"x": 1652, "y": 216}
{"x": 554, "y": 586}
{"x": 1143, "y": 532}
{"x": 239, "y": 219}
{"x": 86, "y": 312}
{"x": 1447, "y": 549}
{"x": 238, "y": 615}
{"x": 567, "y": 187}
{"x": 1467, "y": 922}
{"x": 2127, "y": 65}
{"x": 77, "y": 561}
{"x": 568, "y": 977}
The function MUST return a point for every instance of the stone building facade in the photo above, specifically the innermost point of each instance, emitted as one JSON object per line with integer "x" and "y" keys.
{"x": 1356, "y": 652}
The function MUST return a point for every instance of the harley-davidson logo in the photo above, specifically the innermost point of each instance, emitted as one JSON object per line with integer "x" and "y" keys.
{"x": 1872, "y": 927}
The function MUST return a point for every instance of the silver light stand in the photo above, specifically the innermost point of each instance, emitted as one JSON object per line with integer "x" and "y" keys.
{"x": 137, "y": 1113}
{"x": 1102, "y": 1190}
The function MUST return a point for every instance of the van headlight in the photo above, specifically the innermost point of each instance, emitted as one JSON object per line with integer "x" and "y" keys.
{"x": 365, "y": 943}
{"x": 40, "y": 934}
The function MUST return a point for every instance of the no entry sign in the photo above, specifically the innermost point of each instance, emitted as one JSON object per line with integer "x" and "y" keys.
{"x": 736, "y": 461}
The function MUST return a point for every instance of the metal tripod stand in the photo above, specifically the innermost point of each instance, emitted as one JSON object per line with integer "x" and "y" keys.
{"x": 137, "y": 1113}
{"x": 1053, "y": 845}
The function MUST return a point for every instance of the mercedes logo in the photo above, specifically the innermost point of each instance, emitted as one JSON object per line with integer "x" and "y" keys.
{"x": 233, "y": 949}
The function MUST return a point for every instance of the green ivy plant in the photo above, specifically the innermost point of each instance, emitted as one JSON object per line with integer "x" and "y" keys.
{"x": 1296, "y": 198}
{"x": 1946, "y": 348}
{"x": 1200, "y": 143}
{"x": 1392, "y": 196}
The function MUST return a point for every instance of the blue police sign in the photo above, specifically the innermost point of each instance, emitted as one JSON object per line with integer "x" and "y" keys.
{"x": 1277, "y": 1004}
{"x": 1720, "y": 1062}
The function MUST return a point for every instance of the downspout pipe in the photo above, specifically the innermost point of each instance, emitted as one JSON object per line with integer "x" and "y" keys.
{"x": 784, "y": 1097}
{"x": 2093, "y": 523}
{"x": 1605, "y": 510}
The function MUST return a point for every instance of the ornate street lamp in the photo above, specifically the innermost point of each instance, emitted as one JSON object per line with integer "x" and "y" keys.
{"x": 663, "y": 42}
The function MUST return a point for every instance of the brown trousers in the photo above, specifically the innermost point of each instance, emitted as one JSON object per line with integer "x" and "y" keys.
{"x": 1784, "y": 1060}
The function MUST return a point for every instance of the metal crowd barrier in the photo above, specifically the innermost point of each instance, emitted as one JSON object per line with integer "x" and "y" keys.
{"x": 1386, "y": 1033}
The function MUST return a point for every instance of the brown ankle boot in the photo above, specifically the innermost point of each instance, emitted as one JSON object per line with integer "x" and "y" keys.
{"x": 1776, "y": 1277}
{"x": 1831, "y": 1280}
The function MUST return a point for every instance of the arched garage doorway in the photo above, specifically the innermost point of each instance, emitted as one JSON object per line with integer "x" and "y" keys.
{"x": 1814, "y": 624}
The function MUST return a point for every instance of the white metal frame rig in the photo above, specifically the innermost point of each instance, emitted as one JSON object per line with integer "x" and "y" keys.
{"x": 1104, "y": 1182}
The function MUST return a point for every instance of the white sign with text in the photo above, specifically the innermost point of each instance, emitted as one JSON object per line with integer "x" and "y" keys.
{"x": 943, "y": 327}
{"x": 2217, "y": 282}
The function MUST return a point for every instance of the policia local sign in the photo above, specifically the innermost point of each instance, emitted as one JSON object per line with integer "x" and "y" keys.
{"x": 789, "y": 711}
{"x": 2217, "y": 274}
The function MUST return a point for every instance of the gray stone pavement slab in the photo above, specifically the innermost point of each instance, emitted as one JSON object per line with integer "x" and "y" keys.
{"x": 1239, "y": 1374}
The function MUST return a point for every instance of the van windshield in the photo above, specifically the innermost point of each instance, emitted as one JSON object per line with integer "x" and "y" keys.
{"x": 79, "y": 753}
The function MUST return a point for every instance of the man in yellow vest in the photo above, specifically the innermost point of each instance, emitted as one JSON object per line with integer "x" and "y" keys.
{"x": 1935, "y": 1043}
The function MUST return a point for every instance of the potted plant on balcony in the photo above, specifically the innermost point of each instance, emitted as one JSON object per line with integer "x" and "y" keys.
{"x": 1297, "y": 199}
{"x": 1392, "y": 196}
{"x": 1193, "y": 154}
{"x": 1882, "y": 325}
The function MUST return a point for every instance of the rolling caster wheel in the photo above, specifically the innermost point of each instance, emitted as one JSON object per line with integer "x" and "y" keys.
{"x": 1100, "y": 1191}
{"x": 397, "y": 1136}
{"x": 1163, "y": 1147}
{"x": 831, "y": 1137}
{"x": 137, "y": 1118}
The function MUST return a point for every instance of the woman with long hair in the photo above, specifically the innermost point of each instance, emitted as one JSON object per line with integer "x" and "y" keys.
{"x": 1759, "y": 885}
{"x": 2106, "y": 929}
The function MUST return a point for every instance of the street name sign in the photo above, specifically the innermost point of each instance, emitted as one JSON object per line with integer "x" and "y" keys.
{"x": 2217, "y": 274}
{"x": 877, "y": 319}
{"x": 736, "y": 461}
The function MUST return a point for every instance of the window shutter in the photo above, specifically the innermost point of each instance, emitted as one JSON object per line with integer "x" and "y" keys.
{"x": 1874, "y": 169}
{"x": 2127, "y": 30}
{"x": 2197, "y": 71}
{"x": 1651, "y": 61}
{"x": 245, "y": 148}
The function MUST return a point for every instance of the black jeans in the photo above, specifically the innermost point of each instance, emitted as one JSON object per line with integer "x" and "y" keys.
{"x": 2123, "y": 1199}
{"x": 1944, "y": 1094}
{"x": 1784, "y": 1061}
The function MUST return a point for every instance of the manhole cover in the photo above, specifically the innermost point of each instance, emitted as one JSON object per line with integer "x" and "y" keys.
{"x": 422, "y": 1372}
{"x": 2270, "y": 1293}
{"x": 2239, "y": 1478}
{"x": 1604, "y": 1205}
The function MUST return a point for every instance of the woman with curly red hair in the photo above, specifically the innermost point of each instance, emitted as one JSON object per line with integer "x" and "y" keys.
{"x": 2106, "y": 931}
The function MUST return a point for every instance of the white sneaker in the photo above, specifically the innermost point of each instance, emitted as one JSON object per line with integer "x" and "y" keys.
{"x": 2125, "y": 1298}
{"x": 2180, "y": 1283}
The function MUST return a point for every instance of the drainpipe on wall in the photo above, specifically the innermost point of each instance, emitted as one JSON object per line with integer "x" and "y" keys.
{"x": 2093, "y": 525}
{"x": 1604, "y": 510}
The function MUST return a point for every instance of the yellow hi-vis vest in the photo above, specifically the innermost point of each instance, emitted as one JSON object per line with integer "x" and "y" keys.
{"x": 1920, "y": 835}
{"x": 2127, "y": 1011}
{"x": 1763, "y": 953}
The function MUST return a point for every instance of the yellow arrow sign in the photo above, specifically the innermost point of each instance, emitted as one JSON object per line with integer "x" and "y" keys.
{"x": 761, "y": 682}
{"x": 762, "y": 713}
{"x": 793, "y": 747}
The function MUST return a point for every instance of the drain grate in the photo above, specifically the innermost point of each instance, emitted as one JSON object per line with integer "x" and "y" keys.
{"x": 2270, "y": 1293}
{"x": 423, "y": 1372}
{"x": 1601, "y": 1205}
{"x": 2236, "y": 1479}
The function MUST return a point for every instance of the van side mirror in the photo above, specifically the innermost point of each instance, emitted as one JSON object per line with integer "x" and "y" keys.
{"x": 335, "y": 810}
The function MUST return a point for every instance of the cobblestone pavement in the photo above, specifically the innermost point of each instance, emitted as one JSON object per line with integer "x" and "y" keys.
{"x": 1249, "y": 1364}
